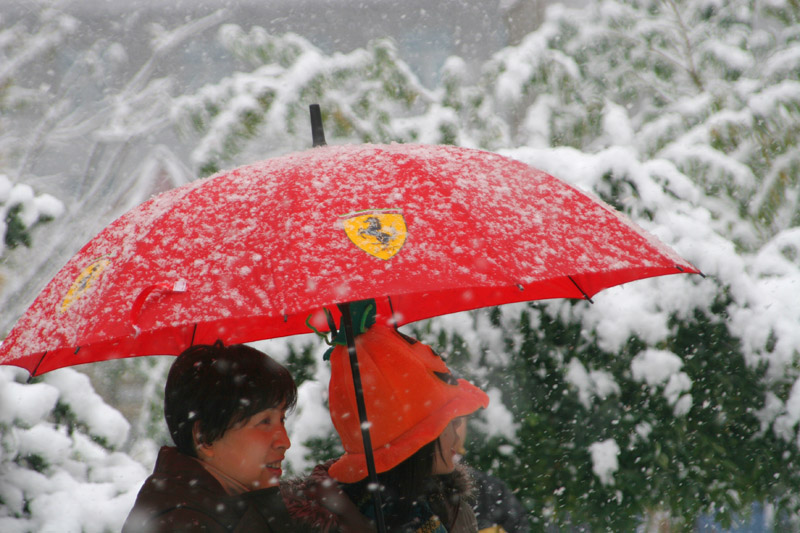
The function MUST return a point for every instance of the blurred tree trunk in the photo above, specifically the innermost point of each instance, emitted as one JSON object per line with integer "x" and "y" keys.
{"x": 658, "y": 521}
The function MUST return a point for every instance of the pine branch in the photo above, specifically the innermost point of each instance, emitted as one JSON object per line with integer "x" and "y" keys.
{"x": 691, "y": 69}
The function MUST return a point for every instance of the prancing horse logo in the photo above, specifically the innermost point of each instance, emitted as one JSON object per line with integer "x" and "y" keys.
{"x": 380, "y": 233}
{"x": 84, "y": 281}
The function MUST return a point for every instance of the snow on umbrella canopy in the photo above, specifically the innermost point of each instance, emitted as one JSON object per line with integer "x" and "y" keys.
{"x": 253, "y": 253}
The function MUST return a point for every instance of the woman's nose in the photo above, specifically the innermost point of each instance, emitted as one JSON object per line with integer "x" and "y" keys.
{"x": 282, "y": 439}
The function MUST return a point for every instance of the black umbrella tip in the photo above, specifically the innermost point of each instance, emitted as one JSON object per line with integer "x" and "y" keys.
{"x": 317, "y": 132}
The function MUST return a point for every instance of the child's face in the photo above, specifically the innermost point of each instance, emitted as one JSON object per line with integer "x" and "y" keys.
{"x": 251, "y": 452}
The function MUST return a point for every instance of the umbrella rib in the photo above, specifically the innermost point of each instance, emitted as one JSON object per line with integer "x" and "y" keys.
{"x": 33, "y": 374}
{"x": 681, "y": 269}
{"x": 579, "y": 288}
{"x": 391, "y": 310}
{"x": 331, "y": 322}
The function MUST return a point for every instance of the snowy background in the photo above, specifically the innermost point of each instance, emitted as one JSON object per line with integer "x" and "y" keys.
{"x": 668, "y": 403}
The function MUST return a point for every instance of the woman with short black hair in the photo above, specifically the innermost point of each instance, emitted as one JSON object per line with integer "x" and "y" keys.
{"x": 211, "y": 388}
{"x": 225, "y": 407}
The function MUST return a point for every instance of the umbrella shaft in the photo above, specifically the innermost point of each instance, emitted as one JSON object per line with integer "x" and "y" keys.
{"x": 347, "y": 324}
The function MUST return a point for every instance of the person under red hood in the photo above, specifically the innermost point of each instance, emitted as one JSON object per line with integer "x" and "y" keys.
{"x": 415, "y": 408}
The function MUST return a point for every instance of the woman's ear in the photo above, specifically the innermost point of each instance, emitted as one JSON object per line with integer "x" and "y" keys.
{"x": 202, "y": 449}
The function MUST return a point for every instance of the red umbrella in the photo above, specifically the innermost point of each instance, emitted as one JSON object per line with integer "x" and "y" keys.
{"x": 263, "y": 250}
{"x": 253, "y": 253}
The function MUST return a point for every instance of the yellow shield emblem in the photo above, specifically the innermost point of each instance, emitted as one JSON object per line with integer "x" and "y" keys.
{"x": 84, "y": 280}
{"x": 379, "y": 233}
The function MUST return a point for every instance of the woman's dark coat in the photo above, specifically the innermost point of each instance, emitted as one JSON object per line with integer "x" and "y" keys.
{"x": 182, "y": 496}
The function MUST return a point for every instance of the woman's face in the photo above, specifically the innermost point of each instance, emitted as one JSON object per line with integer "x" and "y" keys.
{"x": 450, "y": 443}
{"x": 251, "y": 452}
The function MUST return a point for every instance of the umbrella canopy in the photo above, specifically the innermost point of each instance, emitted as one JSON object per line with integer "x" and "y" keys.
{"x": 253, "y": 253}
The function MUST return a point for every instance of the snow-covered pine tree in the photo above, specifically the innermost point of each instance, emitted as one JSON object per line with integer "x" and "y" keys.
{"x": 21, "y": 210}
{"x": 368, "y": 95}
{"x": 686, "y": 117}
{"x": 21, "y": 44}
{"x": 709, "y": 86}
{"x": 59, "y": 458}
